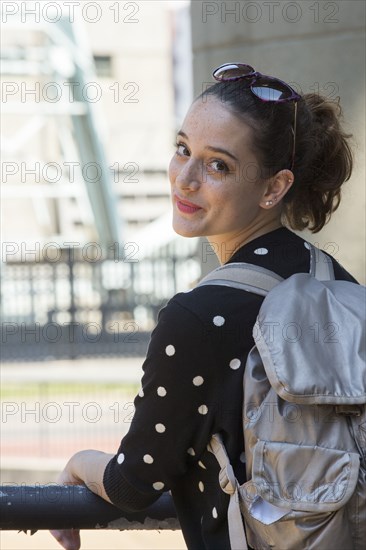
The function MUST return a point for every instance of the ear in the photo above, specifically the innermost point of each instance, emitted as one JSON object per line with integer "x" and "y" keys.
{"x": 276, "y": 189}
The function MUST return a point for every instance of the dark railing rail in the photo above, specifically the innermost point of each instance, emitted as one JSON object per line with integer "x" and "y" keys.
{"x": 38, "y": 507}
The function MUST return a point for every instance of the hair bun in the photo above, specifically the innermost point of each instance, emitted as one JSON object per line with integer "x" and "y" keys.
{"x": 323, "y": 163}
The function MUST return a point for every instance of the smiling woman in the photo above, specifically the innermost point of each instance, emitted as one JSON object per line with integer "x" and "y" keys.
{"x": 213, "y": 189}
{"x": 251, "y": 157}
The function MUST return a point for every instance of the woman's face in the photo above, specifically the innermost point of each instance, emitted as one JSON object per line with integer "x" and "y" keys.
{"x": 213, "y": 175}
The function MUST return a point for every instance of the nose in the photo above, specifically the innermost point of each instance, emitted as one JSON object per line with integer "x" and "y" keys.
{"x": 189, "y": 175}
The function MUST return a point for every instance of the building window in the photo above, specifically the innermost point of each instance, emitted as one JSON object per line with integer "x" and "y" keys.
{"x": 103, "y": 65}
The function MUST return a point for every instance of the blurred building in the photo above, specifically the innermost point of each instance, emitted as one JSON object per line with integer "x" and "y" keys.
{"x": 90, "y": 100}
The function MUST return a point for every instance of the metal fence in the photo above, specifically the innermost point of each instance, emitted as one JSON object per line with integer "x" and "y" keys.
{"x": 54, "y": 506}
{"x": 79, "y": 307}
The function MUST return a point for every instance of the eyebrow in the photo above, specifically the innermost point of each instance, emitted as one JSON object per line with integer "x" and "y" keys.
{"x": 214, "y": 149}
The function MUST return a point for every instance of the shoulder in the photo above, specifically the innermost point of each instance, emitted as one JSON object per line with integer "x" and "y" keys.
{"x": 206, "y": 318}
{"x": 207, "y": 304}
{"x": 340, "y": 273}
{"x": 208, "y": 321}
{"x": 285, "y": 253}
{"x": 281, "y": 251}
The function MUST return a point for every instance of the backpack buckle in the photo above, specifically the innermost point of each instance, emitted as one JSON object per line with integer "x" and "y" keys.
{"x": 227, "y": 480}
{"x": 349, "y": 410}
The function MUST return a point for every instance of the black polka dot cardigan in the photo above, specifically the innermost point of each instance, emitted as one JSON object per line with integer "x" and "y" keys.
{"x": 192, "y": 388}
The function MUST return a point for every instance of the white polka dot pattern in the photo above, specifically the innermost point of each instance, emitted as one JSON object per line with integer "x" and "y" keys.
{"x": 235, "y": 364}
{"x": 160, "y": 428}
{"x": 218, "y": 320}
{"x": 197, "y": 381}
{"x": 261, "y": 251}
{"x": 183, "y": 364}
{"x": 170, "y": 350}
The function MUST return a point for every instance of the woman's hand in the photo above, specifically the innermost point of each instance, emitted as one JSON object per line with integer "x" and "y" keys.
{"x": 68, "y": 538}
{"x": 84, "y": 468}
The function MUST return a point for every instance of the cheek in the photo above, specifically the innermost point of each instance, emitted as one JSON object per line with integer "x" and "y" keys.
{"x": 237, "y": 201}
{"x": 172, "y": 169}
{"x": 229, "y": 195}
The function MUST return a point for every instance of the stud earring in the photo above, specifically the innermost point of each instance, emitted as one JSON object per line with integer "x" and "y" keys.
{"x": 269, "y": 203}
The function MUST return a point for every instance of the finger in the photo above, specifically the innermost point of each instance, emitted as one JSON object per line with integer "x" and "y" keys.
{"x": 69, "y": 539}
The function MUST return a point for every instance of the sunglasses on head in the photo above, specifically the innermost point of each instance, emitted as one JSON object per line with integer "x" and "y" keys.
{"x": 264, "y": 87}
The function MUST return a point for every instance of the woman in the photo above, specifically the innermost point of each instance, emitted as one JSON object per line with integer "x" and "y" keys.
{"x": 251, "y": 156}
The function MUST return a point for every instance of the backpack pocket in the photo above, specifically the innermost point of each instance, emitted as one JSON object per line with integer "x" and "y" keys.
{"x": 297, "y": 492}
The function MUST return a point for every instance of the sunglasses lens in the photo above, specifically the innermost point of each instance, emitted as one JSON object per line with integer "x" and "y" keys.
{"x": 271, "y": 89}
{"x": 232, "y": 71}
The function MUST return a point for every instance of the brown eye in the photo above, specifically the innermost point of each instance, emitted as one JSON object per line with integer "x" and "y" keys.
{"x": 219, "y": 166}
{"x": 182, "y": 149}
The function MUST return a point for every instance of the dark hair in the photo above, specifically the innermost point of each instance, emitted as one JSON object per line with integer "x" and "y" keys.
{"x": 323, "y": 158}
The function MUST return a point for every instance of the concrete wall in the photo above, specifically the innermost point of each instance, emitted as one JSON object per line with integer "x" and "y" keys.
{"x": 316, "y": 46}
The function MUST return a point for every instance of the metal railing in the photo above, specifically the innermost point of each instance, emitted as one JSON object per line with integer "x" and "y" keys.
{"x": 43, "y": 507}
{"x": 76, "y": 307}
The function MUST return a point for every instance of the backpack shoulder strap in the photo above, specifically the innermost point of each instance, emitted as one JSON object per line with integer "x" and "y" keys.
{"x": 321, "y": 266}
{"x": 230, "y": 486}
{"x": 244, "y": 276}
{"x": 260, "y": 280}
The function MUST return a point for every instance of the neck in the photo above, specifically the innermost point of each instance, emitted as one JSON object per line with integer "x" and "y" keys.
{"x": 225, "y": 246}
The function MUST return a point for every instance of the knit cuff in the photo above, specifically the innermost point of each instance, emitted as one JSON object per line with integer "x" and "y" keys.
{"x": 121, "y": 493}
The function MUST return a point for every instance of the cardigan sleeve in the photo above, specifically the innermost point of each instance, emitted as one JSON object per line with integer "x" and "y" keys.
{"x": 174, "y": 411}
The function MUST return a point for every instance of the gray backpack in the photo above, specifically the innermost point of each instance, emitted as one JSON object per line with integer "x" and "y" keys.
{"x": 304, "y": 414}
